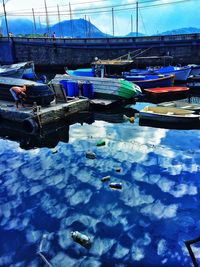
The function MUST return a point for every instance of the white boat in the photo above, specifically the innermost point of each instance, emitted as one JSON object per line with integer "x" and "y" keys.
{"x": 169, "y": 115}
{"x": 18, "y": 70}
{"x": 106, "y": 88}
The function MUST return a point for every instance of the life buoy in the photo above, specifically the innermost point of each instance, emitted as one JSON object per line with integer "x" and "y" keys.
{"x": 30, "y": 125}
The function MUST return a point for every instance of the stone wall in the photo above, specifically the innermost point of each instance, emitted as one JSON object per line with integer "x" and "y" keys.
{"x": 49, "y": 52}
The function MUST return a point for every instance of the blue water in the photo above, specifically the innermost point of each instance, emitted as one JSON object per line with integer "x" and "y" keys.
{"x": 45, "y": 194}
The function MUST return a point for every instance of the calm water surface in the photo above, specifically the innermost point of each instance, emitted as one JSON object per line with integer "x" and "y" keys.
{"x": 45, "y": 195}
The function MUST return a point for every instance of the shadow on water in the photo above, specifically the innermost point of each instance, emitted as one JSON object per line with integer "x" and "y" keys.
{"x": 49, "y": 135}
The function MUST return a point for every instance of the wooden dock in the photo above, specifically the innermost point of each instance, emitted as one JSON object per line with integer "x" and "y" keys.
{"x": 33, "y": 118}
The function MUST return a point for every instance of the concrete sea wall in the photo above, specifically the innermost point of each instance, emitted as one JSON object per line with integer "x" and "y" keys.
{"x": 45, "y": 52}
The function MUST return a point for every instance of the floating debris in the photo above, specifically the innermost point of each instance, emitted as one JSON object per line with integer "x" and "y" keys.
{"x": 132, "y": 119}
{"x": 45, "y": 259}
{"x": 105, "y": 178}
{"x": 44, "y": 237}
{"x": 188, "y": 244}
{"x": 90, "y": 155}
{"x": 126, "y": 118}
{"x": 82, "y": 239}
{"x": 118, "y": 169}
{"x": 115, "y": 185}
{"x": 101, "y": 143}
{"x": 54, "y": 150}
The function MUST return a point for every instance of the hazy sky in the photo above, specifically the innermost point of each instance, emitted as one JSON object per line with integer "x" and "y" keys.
{"x": 154, "y": 16}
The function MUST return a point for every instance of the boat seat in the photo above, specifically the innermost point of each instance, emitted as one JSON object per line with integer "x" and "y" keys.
{"x": 59, "y": 92}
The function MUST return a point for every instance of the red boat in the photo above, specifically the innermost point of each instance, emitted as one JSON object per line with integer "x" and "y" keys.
{"x": 166, "y": 91}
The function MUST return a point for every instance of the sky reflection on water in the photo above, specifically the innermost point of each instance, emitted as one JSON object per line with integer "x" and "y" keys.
{"x": 144, "y": 224}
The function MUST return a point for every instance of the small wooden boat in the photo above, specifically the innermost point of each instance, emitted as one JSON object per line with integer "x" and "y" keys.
{"x": 151, "y": 81}
{"x": 36, "y": 92}
{"x": 166, "y": 91}
{"x": 18, "y": 70}
{"x": 182, "y": 105}
{"x": 168, "y": 115}
{"x": 106, "y": 88}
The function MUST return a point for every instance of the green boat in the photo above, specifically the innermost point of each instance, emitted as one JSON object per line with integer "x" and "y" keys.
{"x": 106, "y": 88}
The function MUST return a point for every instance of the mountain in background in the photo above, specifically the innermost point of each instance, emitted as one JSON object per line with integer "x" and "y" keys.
{"x": 134, "y": 34}
{"x": 181, "y": 31}
{"x": 78, "y": 28}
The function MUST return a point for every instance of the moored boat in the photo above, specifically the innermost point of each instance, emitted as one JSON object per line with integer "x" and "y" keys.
{"x": 106, "y": 88}
{"x": 166, "y": 91}
{"x": 36, "y": 92}
{"x": 168, "y": 115}
{"x": 180, "y": 73}
{"x": 195, "y": 69}
{"x": 182, "y": 105}
{"x": 151, "y": 81}
{"x": 18, "y": 70}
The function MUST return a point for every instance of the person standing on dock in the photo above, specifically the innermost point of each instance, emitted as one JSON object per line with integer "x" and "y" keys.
{"x": 19, "y": 94}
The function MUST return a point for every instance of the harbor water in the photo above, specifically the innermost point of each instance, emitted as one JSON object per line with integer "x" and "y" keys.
{"x": 46, "y": 194}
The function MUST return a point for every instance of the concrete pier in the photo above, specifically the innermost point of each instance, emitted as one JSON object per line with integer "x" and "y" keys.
{"x": 33, "y": 118}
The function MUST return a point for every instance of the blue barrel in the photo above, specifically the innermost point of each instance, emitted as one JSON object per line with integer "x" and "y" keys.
{"x": 88, "y": 90}
{"x": 28, "y": 76}
{"x": 72, "y": 88}
{"x": 64, "y": 84}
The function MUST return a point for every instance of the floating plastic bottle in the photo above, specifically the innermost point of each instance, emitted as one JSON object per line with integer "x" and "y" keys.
{"x": 54, "y": 150}
{"x": 105, "y": 178}
{"x": 115, "y": 185}
{"x": 82, "y": 239}
{"x": 101, "y": 143}
{"x": 118, "y": 169}
{"x": 130, "y": 119}
{"x": 90, "y": 155}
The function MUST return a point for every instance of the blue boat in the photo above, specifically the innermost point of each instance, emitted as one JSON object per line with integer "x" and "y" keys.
{"x": 86, "y": 72}
{"x": 37, "y": 92}
{"x": 151, "y": 81}
{"x": 180, "y": 73}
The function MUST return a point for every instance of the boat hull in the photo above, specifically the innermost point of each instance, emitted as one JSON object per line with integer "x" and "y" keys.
{"x": 180, "y": 73}
{"x": 166, "y": 91}
{"x": 182, "y": 105}
{"x": 152, "y": 81}
{"x": 169, "y": 115}
{"x": 37, "y": 92}
{"x": 107, "y": 88}
{"x": 18, "y": 70}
